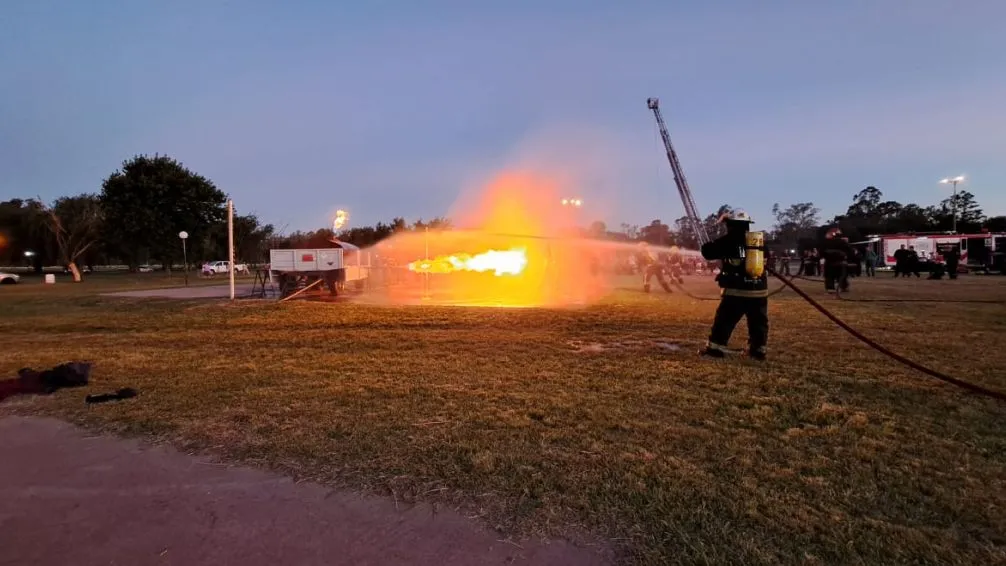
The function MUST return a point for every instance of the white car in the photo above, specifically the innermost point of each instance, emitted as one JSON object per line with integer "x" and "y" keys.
{"x": 9, "y": 278}
{"x": 223, "y": 267}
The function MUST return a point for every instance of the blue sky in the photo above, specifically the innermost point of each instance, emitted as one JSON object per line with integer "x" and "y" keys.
{"x": 391, "y": 108}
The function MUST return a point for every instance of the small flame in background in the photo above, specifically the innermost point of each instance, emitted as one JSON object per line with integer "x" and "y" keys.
{"x": 341, "y": 217}
{"x": 500, "y": 262}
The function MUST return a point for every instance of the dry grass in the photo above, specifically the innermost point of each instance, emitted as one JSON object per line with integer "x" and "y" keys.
{"x": 827, "y": 454}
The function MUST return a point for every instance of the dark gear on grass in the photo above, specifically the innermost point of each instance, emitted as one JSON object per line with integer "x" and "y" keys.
{"x": 744, "y": 283}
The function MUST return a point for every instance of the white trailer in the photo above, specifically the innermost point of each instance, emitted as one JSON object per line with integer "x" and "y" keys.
{"x": 336, "y": 266}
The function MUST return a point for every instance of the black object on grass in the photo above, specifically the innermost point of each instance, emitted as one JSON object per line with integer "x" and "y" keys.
{"x": 124, "y": 393}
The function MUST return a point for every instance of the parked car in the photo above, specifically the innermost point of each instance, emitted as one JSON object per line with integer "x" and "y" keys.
{"x": 144, "y": 269}
{"x": 215, "y": 267}
{"x": 9, "y": 278}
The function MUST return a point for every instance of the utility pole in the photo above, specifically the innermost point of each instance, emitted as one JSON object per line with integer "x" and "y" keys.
{"x": 230, "y": 242}
{"x": 183, "y": 235}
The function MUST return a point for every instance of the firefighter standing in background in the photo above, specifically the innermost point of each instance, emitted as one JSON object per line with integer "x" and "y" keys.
{"x": 675, "y": 265}
{"x": 871, "y": 262}
{"x": 953, "y": 259}
{"x": 651, "y": 268}
{"x": 837, "y": 253}
{"x": 784, "y": 263}
{"x": 744, "y": 281}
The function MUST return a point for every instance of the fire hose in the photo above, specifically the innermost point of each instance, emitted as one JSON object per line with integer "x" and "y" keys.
{"x": 788, "y": 283}
{"x": 893, "y": 355}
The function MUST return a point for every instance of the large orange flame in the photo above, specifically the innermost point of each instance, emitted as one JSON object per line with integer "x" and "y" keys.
{"x": 513, "y": 246}
{"x": 499, "y": 262}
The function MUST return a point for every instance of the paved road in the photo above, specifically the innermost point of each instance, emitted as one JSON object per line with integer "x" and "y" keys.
{"x": 200, "y": 292}
{"x": 68, "y": 498}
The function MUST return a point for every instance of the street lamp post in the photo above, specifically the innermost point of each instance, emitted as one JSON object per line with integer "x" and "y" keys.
{"x": 953, "y": 201}
{"x": 183, "y": 235}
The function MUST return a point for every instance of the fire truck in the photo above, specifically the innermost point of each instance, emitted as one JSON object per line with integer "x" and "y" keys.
{"x": 985, "y": 251}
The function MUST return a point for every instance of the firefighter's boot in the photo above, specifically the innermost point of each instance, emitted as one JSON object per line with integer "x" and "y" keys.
{"x": 712, "y": 351}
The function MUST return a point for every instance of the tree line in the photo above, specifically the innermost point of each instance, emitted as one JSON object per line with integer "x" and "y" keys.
{"x": 137, "y": 216}
{"x": 799, "y": 225}
{"x": 136, "y": 219}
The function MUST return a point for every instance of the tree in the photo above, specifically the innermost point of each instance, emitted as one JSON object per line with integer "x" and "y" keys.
{"x": 438, "y": 223}
{"x": 911, "y": 218}
{"x": 793, "y": 223}
{"x": 631, "y": 231}
{"x": 76, "y": 225}
{"x": 251, "y": 240}
{"x": 995, "y": 224}
{"x": 24, "y": 234}
{"x": 865, "y": 203}
{"x": 657, "y": 233}
{"x": 597, "y": 229}
{"x": 151, "y": 200}
{"x": 684, "y": 234}
{"x": 969, "y": 213}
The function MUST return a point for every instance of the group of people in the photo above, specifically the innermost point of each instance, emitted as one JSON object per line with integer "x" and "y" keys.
{"x": 907, "y": 262}
{"x": 656, "y": 265}
{"x": 842, "y": 260}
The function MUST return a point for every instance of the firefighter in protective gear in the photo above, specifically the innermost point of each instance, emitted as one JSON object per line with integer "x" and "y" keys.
{"x": 744, "y": 282}
{"x": 651, "y": 268}
{"x": 675, "y": 265}
{"x": 837, "y": 253}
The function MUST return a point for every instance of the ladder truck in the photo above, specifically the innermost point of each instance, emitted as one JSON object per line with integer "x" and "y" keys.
{"x": 691, "y": 211}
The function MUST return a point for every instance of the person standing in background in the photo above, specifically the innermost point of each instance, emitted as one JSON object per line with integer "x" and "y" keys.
{"x": 871, "y": 262}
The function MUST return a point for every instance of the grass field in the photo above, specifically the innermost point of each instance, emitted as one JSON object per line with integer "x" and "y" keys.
{"x": 576, "y": 422}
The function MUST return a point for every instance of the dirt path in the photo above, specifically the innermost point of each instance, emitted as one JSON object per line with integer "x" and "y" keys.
{"x": 70, "y": 498}
{"x": 198, "y": 292}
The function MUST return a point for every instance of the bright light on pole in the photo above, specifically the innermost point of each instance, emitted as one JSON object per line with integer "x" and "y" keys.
{"x": 183, "y": 235}
{"x": 574, "y": 202}
{"x": 953, "y": 202}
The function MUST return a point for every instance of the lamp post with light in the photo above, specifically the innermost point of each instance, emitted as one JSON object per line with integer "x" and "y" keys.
{"x": 953, "y": 201}
{"x": 183, "y": 235}
{"x": 572, "y": 203}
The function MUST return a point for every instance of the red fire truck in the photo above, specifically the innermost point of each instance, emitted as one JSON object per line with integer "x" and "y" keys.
{"x": 982, "y": 251}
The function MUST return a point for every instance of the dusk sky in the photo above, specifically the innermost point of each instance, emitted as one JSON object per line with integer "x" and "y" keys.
{"x": 390, "y": 108}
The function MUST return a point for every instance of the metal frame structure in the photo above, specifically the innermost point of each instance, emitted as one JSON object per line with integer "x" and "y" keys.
{"x": 691, "y": 211}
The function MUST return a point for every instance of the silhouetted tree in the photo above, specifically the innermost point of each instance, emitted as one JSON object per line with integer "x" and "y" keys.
{"x": 76, "y": 226}
{"x": 151, "y": 200}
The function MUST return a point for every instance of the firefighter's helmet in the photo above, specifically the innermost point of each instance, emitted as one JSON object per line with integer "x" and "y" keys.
{"x": 736, "y": 216}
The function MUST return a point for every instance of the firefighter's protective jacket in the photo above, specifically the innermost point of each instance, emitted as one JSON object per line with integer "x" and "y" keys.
{"x": 645, "y": 258}
{"x": 731, "y": 250}
{"x": 837, "y": 251}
